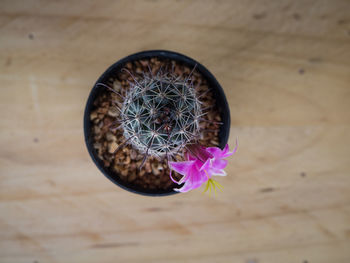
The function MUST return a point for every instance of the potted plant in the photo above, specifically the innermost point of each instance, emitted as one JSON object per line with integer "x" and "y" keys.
{"x": 157, "y": 123}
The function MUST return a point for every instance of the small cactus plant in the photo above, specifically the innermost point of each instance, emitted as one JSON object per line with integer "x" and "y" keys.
{"x": 160, "y": 114}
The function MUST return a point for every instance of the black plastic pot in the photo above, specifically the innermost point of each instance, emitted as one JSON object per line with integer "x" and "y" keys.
{"x": 113, "y": 70}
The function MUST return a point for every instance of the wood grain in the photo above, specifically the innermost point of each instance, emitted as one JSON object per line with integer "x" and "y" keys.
{"x": 285, "y": 68}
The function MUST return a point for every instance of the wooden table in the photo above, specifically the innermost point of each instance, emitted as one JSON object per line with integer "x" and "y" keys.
{"x": 285, "y": 68}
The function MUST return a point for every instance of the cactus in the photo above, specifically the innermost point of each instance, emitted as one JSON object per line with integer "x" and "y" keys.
{"x": 160, "y": 114}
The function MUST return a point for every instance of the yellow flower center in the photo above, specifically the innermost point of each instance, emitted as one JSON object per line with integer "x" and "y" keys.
{"x": 211, "y": 183}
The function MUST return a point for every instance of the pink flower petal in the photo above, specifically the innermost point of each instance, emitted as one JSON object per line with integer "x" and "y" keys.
{"x": 187, "y": 185}
{"x": 194, "y": 179}
{"x": 219, "y": 163}
{"x": 206, "y": 165}
{"x": 218, "y": 153}
{"x": 215, "y": 151}
{"x": 226, "y": 150}
{"x": 190, "y": 173}
{"x": 218, "y": 172}
{"x": 181, "y": 167}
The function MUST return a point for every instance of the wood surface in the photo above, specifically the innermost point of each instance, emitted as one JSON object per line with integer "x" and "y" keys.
{"x": 285, "y": 69}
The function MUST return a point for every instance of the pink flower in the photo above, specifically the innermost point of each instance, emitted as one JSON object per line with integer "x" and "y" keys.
{"x": 202, "y": 163}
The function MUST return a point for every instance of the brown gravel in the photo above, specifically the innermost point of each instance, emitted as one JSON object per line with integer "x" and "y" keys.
{"x": 154, "y": 175}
